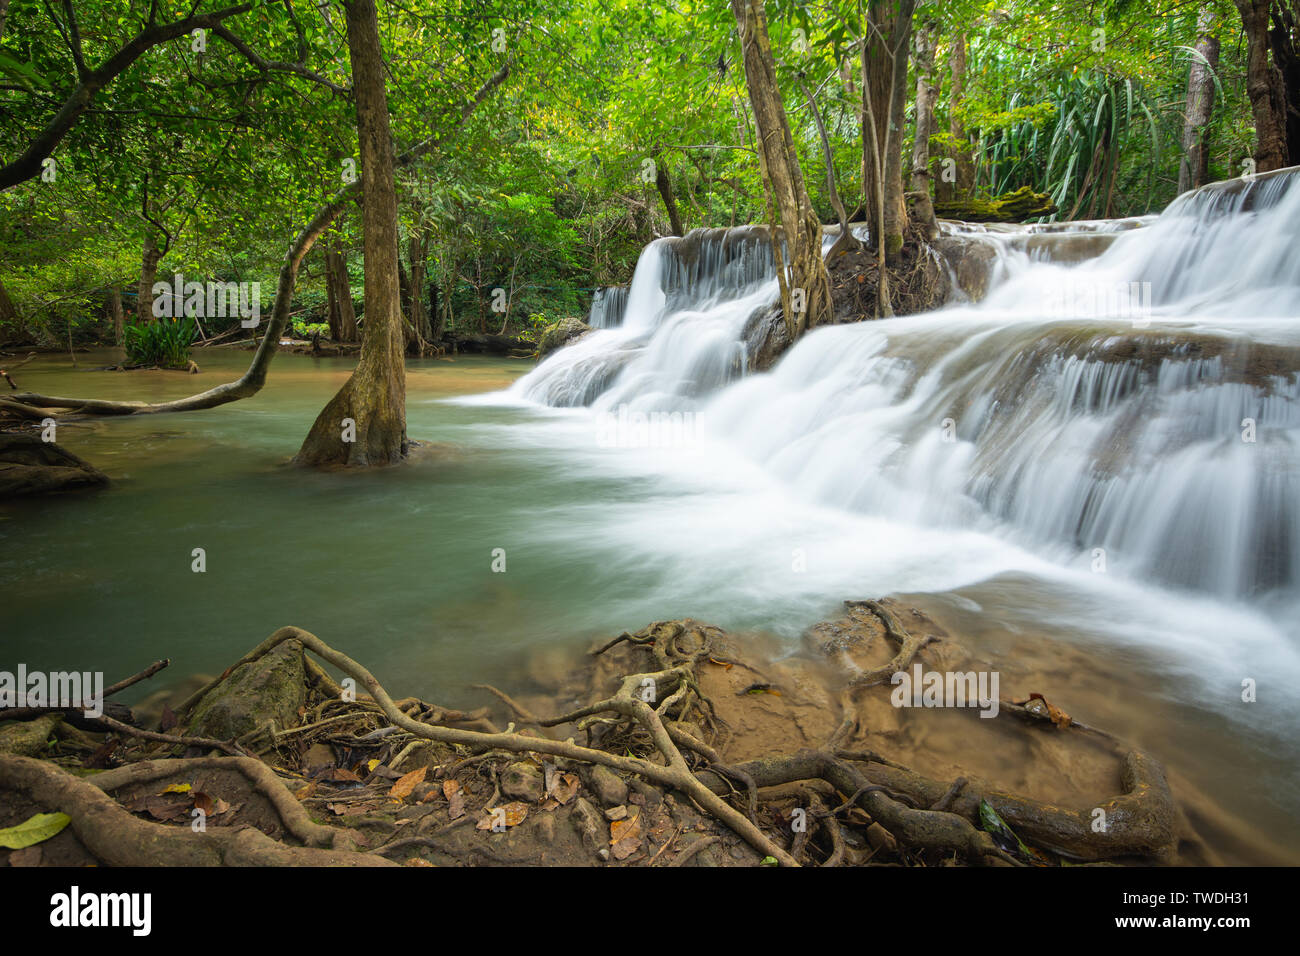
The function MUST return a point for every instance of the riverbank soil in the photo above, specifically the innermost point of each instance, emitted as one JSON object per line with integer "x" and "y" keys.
{"x": 679, "y": 745}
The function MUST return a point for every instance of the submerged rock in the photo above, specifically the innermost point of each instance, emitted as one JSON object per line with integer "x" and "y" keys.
{"x": 30, "y": 466}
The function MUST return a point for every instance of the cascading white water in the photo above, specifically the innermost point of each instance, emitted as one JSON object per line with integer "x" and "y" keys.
{"x": 681, "y": 331}
{"x": 607, "y": 307}
{"x": 1139, "y": 409}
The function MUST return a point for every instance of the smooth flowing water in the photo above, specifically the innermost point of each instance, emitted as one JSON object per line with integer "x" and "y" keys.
{"x": 1061, "y": 481}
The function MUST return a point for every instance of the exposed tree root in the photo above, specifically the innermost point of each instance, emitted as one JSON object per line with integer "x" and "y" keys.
{"x": 118, "y": 838}
{"x": 659, "y": 713}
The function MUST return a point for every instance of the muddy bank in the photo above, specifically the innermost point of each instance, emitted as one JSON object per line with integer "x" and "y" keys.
{"x": 677, "y": 745}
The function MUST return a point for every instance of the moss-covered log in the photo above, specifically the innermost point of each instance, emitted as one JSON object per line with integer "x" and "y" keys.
{"x": 1016, "y": 206}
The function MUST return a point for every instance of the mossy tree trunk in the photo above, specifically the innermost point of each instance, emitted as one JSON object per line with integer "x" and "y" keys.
{"x": 797, "y": 231}
{"x": 149, "y": 259}
{"x": 365, "y": 423}
{"x": 926, "y": 94}
{"x": 115, "y": 312}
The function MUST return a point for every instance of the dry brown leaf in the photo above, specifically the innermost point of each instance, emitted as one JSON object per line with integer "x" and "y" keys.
{"x": 456, "y": 805}
{"x": 1057, "y": 716}
{"x": 514, "y": 814}
{"x": 406, "y": 783}
{"x": 564, "y": 787}
{"x": 628, "y": 828}
{"x": 449, "y": 787}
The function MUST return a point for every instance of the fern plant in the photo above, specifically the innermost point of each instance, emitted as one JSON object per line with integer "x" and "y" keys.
{"x": 164, "y": 343}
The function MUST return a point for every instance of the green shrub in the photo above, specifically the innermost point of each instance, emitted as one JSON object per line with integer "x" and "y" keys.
{"x": 165, "y": 343}
{"x": 305, "y": 330}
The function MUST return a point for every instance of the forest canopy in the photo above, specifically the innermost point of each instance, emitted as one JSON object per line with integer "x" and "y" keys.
{"x": 146, "y": 140}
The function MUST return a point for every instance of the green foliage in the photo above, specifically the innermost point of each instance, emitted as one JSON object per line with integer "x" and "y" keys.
{"x": 165, "y": 342}
{"x": 305, "y": 330}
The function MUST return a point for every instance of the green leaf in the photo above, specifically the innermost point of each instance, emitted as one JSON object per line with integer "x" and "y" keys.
{"x": 34, "y": 830}
{"x": 769, "y": 861}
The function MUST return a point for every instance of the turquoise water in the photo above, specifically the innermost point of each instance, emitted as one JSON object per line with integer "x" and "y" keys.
{"x": 394, "y": 566}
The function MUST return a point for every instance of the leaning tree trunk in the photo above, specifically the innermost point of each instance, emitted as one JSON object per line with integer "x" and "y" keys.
{"x": 1265, "y": 86}
{"x": 926, "y": 94}
{"x": 365, "y": 423}
{"x": 804, "y": 278}
{"x": 1194, "y": 171}
{"x": 148, "y": 273}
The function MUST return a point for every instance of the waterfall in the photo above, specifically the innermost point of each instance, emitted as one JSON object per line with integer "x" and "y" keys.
{"x": 1136, "y": 411}
{"x": 681, "y": 329}
{"x": 608, "y": 306}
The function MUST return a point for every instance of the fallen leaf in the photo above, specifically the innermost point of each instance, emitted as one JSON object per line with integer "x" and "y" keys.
{"x": 514, "y": 814}
{"x": 406, "y": 783}
{"x": 1057, "y": 716}
{"x": 34, "y": 830}
{"x": 622, "y": 829}
{"x": 168, "y": 721}
{"x": 203, "y": 802}
{"x": 305, "y": 792}
{"x": 450, "y": 787}
{"x": 456, "y": 805}
{"x": 177, "y": 788}
{"x": 340, "y": 775}
{"x": 564, "y": 787}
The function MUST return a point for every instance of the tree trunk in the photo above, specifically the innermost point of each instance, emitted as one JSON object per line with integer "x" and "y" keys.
{"x": 895, "y": 204}
{"x": 336, "y": 272}
{"x": 370, "y": 409}
{"x": 884, "y": 92}
{"x": 9, "y": 316}
{"x": 1284, "y": 40}
{"x": 805, "y": 283}
{"x": 148, "y": 274}
{"x": 926, "y": 94}
{"x": 417, "y": 249}
{"x": 115, "y": 310}
{"x": 1265, "y": 86}
{"x": 963, "y": 169}
{"x": 1194, "y": 171}
{"x": 665, "y": 186}
{"x": 333, "y": 314}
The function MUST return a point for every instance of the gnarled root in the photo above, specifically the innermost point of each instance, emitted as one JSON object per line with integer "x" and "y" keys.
{"x": 118, "y": 838}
